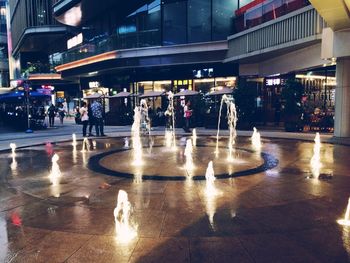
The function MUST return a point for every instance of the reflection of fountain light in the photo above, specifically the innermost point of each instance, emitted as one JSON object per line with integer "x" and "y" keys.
{"x": 74, "y": 138}
{"x": 315, "y": 162}
{"x": 194, "y": 137}
{"x": 86, "y": 145}
{"x": 94, "y": 144}
{"x": 136, "y": 138}
{"x": 125, "y": 231}
{"x": 189, "y": 159}
{"x": 346, "y": 220}
{"x": 55, "y": 175}
{"x": 256, "y": 141}
{"x": 232, "y": 121}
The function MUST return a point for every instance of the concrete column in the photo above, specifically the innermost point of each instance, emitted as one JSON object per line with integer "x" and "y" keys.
{"x": 342, "y": 99}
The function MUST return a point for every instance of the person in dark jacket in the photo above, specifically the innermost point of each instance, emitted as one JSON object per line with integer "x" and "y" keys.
{"x": 52, "y": 113}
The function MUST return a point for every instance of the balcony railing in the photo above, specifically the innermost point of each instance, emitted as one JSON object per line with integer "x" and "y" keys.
{"x": 116, "y": 42}
{"x": 259, "y": 12}
{"x": 302, "y": 25}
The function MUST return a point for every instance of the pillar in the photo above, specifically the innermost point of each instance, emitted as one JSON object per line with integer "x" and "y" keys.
{"x": 342, "y": 99}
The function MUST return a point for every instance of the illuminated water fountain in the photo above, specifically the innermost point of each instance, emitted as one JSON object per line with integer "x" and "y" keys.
{"x": 86, "y": 145}
{"x": 189, "y": 166}
{"x": 194, "y": 137}
{"x": 145, "y": 121}
{"x": 232, "y": 122}
{"x": 210, "y": 193}
{"x": 315, "y": 162}
{"x": 13, "y": 155}
{"x": 136, "y": 137}
{"x": 210, "y": 178}
{"x": 55, "y": 176}
{"x": 256, "y": 140}
{"x": 74, "y": 140}
{"x": 74, "y": 144}
{"x": 13, "y": 149}
{"x": 125, "y": 229}
{"x": 170, "y": 137}
{"x": 346, "y": 220}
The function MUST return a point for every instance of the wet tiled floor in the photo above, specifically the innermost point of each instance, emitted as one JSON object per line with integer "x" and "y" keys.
{"x": 283, "y": 214}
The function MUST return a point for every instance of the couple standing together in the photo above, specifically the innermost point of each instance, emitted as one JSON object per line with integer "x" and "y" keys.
{"x": 95, "y": 117}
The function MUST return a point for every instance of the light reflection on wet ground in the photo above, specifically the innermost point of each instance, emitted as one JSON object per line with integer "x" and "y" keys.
{"x": 275, "y": 216}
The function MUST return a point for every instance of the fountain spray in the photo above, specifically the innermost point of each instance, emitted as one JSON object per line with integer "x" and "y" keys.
{"x": 86, "y": 145}
{"x": 74, "y": 139}
{"x": 232, "y": 122}
{"x": 346, "y": 220}
{"x": 170, "y": 137}
{"x": 136, "y": 138}
{"x": 194, "y": 137}
{"x": 256, "y": 141}
{"x": 189, "y": 166}
{"x": 13, "y": 149}
{"x": 315, "y": 162}
{"x": 125, "y": 231}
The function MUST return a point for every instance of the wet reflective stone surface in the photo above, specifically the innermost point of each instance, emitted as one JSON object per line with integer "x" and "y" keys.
{"x": 283, "y": 213}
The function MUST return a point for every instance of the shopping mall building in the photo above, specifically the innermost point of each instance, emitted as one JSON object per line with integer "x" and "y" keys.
{"x": 145, "y": 46}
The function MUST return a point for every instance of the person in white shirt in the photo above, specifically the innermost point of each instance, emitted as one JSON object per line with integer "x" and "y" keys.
{"x": 84, "y": 117}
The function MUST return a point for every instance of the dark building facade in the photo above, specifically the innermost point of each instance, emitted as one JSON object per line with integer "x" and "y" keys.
{"x": 4, "y": 66}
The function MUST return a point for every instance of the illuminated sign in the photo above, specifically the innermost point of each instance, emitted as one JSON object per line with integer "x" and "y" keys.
{"x": 94, "y": 84}
{"x": 74, "y": 41}
{"x": 203, "y": 73}
{"x": 273, "y": 82}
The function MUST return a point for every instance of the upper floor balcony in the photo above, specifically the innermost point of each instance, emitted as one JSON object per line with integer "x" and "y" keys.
{"x": 300, "y": 28}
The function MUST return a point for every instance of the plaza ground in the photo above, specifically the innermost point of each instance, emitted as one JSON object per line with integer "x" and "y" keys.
{"x": 282, "y": 214}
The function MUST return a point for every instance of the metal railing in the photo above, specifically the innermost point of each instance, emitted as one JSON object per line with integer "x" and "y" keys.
{"x": 304, "y": 24}
{"x": 105, "y": 44}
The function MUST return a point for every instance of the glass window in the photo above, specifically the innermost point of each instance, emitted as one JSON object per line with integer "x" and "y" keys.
{"x": 272, "y": 10}
{"x": 253, "y": 17}
{"x": 223, "y": 13}
{"x": 174, "y": 24}
{"x": 244, "y": 2}
{"x": 199, "y": 20}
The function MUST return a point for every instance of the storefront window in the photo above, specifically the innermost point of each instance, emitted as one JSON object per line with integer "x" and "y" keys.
{"x": 174, "y": 24}
{"x": 199, "y": 20}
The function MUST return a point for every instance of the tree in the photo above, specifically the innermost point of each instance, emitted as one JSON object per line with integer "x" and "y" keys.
{"x": 291, "y": 95}
{"x": 245, "y": 95}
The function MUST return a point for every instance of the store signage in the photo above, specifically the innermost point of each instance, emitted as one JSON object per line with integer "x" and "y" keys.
{"x": 273, "y": 82}
{"x": 74, "y": 41}
{"x": 94, "y": 84}
{"x": 44, "y": 91}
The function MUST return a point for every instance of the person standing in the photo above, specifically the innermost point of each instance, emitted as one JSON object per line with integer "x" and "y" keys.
{"x": 97, "y": 113}
{"x": 52, "y": 113}
{"x": 187, "y": 116}
{"x": 61, "y": 113}
{"x": 91, "y": 120}
{"x": 84, "y": 117}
